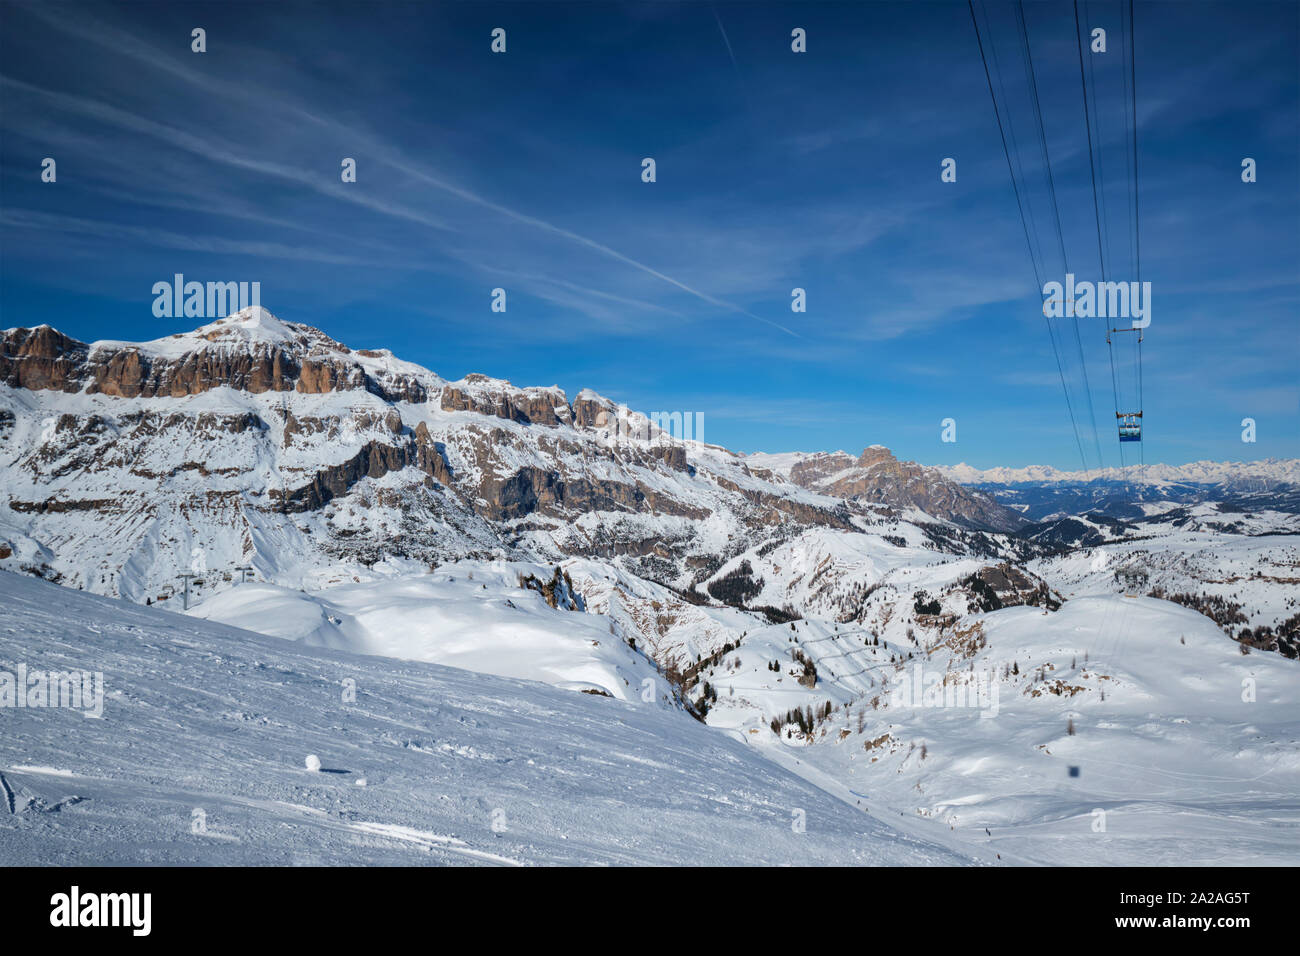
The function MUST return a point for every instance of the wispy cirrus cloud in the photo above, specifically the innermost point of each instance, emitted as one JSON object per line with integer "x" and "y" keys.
{"x": 776, "y": 171}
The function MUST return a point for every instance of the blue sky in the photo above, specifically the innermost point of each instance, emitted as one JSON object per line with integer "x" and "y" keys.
{"x": 775, "y": 170}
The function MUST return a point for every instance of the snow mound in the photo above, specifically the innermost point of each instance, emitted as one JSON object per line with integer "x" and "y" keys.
{"x": 474, "y": 615}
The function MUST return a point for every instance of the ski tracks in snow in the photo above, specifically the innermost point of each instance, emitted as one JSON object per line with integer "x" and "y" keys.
{"x": 395, "y": 833}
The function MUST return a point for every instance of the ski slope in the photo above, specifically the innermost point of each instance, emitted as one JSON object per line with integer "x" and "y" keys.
{"x": 208, "y": 728}
{"x": 1184, "y": 749}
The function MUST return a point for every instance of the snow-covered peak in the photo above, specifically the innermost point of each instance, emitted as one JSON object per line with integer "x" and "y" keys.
{"x": 247, "y": 327}
{"x": 591, "y": 395}
{"x": 253, "y": 324}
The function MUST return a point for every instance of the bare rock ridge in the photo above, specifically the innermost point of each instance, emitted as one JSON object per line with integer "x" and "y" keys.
{"x": 270, "y": 442}
{"x": 877, "y": 476}
{"x": 487, "y": 396}
{"x": 271, "y": 356}
{"x": 283, "y": 357}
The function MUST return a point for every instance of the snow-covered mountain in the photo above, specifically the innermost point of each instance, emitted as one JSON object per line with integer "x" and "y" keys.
{"x": 1114, "y": 730}
{"x": 257, "y": 448}
{"x": 253, "y": 442}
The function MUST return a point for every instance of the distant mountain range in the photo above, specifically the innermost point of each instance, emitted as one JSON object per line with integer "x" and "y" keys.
{"x": 1247, "y": 474}
{"x": 1040, "y": 492}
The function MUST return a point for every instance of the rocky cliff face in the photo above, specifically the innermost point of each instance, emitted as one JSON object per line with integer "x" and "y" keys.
{"x": 250, "y": 351}
{"x": 498, "y": 398}
{"x": 877, "y": 476}
{"x": 41, "y": 358}
{"x": 256, "y": 441}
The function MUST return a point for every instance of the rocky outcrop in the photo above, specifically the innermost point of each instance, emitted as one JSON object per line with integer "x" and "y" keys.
{"x": 41, "y": 358}
{"x": 431, "y": 456}
{"x": 593, "y": 411}
{"x": 500, "y": 399}
{"x": 876, "y": 476}
{"x": 372, "y": 461}
{"x": 673, "y": 455}
{"x": 814, "y": 470}
{"x": 303, "y": 360}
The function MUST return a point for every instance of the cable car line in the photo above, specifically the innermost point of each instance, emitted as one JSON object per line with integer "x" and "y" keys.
{"x": 1056, "y": 212}
{"x": 1025, "y": 224}
{"x": 1130, "y": 420}
{"x": 1087, "y": 121}
{"x": 1096, "y": 123}
{"x": 1020, "y": 169}
{"x": 1097, "y": 205}
{"x": 1137, "y": 206}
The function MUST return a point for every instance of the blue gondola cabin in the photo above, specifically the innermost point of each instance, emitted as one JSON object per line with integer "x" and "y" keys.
{"x": 1130, "y": 426}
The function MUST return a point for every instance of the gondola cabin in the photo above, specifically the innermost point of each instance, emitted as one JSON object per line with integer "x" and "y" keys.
{"x": 1130, "y": 426}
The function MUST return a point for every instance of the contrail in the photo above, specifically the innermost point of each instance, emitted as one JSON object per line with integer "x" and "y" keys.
{"x": 108, "y": 37}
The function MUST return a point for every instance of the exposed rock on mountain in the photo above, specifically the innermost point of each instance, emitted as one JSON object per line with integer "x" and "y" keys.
{"x": 498, "y": 398}
{"x": 250, "y": 351}
{"x": 262, "y": 443}
{"x": 877, "y": 476}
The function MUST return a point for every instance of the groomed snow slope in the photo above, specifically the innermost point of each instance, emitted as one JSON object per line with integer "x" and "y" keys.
{"x": 204, "y": 717}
